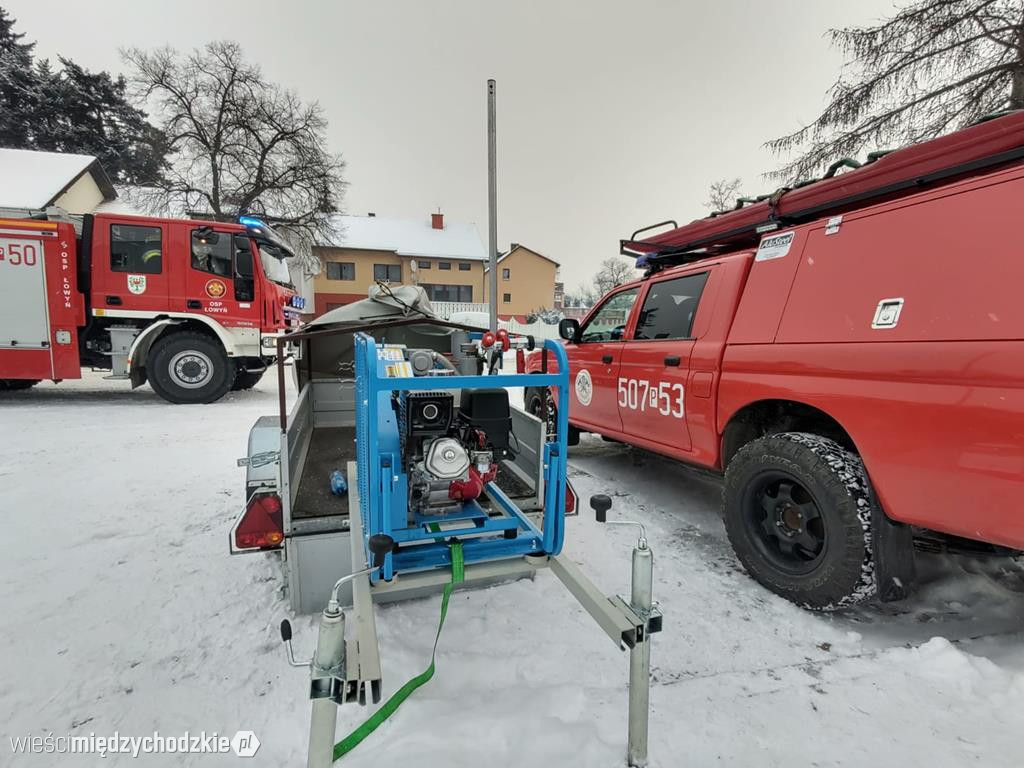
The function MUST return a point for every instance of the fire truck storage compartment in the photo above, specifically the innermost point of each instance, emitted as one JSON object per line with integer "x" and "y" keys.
{"x": 24, "y": 319}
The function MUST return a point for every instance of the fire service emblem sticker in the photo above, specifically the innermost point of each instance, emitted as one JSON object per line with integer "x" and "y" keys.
{"x": 584, "y": 387}
{"x": 215, "y": 289}
{"x": 137, "y": 284}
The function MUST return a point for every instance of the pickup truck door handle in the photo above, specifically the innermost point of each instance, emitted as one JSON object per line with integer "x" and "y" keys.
{"x": 193, "y": 304}
{"x": 114, "y": 301}
{"x": 607, "y": 359}
{"x": 672, "y": 360}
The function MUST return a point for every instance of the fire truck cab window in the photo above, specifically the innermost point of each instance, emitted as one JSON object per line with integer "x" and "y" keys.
{"x": 135, "y": 249}
{"x": 670, "y": 307}
{"x": 609, "y": 322}
{"x": 211, "y": 252}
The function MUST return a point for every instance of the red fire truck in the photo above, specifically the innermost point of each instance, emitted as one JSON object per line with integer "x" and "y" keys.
{"x": 194, "y": 307}
{"x": 849, "y": 353}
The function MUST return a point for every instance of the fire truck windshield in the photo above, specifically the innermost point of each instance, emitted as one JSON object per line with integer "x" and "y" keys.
{"x": 275, "y": 267}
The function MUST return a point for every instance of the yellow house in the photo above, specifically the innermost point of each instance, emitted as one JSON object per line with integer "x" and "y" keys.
{"x": 34, "y": 181}
{"x": 446, "y": 258}
{"x": 527, "y": 280}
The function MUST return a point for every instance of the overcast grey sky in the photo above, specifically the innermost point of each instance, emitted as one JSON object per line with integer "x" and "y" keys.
{"x": 611, "y": 115}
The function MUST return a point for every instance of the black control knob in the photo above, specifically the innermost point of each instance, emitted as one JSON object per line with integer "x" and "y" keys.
{"x": 600, "y": 503}
{"x": 380, "y": 544}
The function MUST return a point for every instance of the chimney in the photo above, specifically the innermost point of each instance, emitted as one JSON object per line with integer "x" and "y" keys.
{"x": 437, "y": 221}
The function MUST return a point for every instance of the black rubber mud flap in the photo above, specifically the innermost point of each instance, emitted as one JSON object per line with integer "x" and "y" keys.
{"x": 137, "y": 376}
{"x": 894, "y": 555}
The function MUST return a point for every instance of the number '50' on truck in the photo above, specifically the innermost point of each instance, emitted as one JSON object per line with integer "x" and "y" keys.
{"x": 849, "y": 353}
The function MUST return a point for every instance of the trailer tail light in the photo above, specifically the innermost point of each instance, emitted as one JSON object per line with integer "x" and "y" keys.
{"x": 572, "y": 499}
{"x": 520, "y": 361}
{"x": 260, "y": 526}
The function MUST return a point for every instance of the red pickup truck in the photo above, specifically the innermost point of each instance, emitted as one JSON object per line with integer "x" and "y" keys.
{"x": 854, "y": 377}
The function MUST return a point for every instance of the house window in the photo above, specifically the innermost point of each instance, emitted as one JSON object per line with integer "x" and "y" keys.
{"x": 460, "y": 293}
{"x": 341, "y": 270}
{"x": 423, "y": 264}
{"x": 135, "y": 249}
{"x": 211, "y": 251}
{"x": 506, "y": 273}
{"x": 506, "y": 298}
{"x": 387, "y": 273}
{"x": 464, "y": 266}
{"x": 444, "y": 265}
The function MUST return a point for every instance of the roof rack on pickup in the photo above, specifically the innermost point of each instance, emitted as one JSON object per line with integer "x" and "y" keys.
{"x": 887, "y": 175}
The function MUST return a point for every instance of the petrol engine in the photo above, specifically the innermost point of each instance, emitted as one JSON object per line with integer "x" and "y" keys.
{"x": 450, "y": 453}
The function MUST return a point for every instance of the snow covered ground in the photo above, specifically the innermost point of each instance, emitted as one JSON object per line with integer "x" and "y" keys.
{"x": 122, "y": 611}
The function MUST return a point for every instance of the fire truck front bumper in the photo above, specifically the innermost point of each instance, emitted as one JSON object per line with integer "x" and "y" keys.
{"x": 268, "y": 345}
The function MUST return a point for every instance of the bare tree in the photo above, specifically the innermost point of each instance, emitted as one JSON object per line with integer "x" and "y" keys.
{"x": 613, "y": 272}
{"x": 722, "y": 195}
{"x": 236, "y": 142}
{"x": 583, "y": 296}
{"x": 936, "y": 66}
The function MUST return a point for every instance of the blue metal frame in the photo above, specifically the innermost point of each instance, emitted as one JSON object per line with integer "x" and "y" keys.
{"x": 383, "y": 484}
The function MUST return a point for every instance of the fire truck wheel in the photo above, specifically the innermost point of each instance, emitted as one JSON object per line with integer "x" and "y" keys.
{"x": 189, "y": 367}
{"x": 13, "y": 385}
{"x": 798, "y": 515}
{"x": 246, "y": 380}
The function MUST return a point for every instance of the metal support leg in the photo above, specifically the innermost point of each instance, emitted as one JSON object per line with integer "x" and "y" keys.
{"x": 640, "y": 660}
{"x": 322, "y": 725}
{"x": 328, "y": 662}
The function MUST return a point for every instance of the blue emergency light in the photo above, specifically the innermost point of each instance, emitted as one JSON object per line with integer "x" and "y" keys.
{"x": 252, "y": 221}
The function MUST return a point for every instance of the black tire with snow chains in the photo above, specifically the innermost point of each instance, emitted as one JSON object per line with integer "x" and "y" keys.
{"x": 533, "y": 397}
{"x": 798, "y": 515}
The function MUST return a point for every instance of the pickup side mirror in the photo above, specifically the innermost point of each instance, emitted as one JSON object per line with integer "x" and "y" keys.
{"x": 569, "y": 329}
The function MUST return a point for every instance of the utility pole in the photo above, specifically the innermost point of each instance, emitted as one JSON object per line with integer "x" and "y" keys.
{"x": 492, "y": 203}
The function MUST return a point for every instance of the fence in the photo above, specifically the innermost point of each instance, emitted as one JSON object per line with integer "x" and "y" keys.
{"x": 478, "y": 314}
{"x": 445, "y": 309}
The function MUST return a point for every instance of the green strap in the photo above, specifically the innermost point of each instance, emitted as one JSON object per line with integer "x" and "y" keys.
{"x": 350, "y": 742}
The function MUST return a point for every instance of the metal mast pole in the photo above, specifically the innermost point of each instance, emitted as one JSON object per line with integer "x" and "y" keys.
{"x": 492, "y": 204}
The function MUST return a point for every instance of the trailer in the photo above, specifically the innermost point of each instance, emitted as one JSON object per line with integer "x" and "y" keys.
{"x": 291, "y": 455}
{"x": 448, "y": 486}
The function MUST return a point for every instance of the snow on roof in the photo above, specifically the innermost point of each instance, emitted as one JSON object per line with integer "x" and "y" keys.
{"x": 516, "y": 246}
{"x": 408, "y": 237}
{"x": 33, "y": 180}
{"x": 142, "y": 201}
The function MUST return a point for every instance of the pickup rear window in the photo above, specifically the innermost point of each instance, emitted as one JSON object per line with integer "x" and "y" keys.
{"x": 670, "y": 307}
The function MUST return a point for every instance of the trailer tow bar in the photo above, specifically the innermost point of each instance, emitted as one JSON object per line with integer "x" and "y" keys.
{"x": 346, "y": 670}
